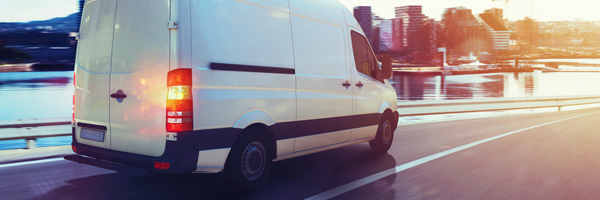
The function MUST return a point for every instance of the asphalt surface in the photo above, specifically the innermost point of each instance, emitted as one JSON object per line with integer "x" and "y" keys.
{"x": 555, "y": 161}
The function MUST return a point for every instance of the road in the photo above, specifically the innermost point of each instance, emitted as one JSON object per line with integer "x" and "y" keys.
{"x": 558, "y": 160}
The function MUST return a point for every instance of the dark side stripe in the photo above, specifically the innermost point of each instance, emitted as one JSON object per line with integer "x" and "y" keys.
{"x": 251, "y": 68}
{"x": 225, "y": 137}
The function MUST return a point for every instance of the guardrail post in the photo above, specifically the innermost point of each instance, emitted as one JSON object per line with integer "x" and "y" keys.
{"x": 559, "y": 108}
{"x": 31, "y": 143}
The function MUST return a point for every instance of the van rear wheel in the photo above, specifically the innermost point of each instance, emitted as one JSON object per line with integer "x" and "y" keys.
{"x": 249, "y": 162}
{"x": 384, "y": 137}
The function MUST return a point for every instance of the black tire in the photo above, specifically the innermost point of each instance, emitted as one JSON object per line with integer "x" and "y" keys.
{"x": 249, "y": 162}
{"x": 384, "y": 137}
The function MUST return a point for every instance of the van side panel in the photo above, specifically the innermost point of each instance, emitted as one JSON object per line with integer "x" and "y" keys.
{"x": 182, "y": 36}
{"x": 351, "y": 20}
{"x": 242, "y": 62}
{"x": 324, "y": 104}
{"x": 246, "y": 32}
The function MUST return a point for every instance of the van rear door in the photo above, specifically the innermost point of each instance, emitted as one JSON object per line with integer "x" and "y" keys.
{"x": 140, "y": 63}
{"x": 93, "y": 73}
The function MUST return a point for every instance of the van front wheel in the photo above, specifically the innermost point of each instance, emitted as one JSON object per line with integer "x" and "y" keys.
{"x": 384, "y": 137}
{"x": 249, "y": 163}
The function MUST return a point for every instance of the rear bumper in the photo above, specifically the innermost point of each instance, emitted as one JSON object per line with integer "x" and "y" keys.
{"x": 180, "y": 154}
{"x": 108, "y": 165}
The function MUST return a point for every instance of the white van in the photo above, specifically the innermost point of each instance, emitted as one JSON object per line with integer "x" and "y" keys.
{"x": 196, "y": 86}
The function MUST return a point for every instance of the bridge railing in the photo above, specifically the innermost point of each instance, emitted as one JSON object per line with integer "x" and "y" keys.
{"x": 31, "y": 129}
{"x": 434, "y": 107}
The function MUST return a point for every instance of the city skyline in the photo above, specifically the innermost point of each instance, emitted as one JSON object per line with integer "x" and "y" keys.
{"x": 543, "y": 10}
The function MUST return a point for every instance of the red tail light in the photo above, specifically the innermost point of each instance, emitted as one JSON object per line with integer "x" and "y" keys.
{"x": 179, "y": 101}
{"x": 162, "y": 165}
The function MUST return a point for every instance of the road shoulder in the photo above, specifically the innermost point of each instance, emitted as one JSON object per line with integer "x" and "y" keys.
{"x": 20, "y": 155}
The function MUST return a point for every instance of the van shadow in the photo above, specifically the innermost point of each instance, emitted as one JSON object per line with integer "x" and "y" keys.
{"x": 295, "y": 178}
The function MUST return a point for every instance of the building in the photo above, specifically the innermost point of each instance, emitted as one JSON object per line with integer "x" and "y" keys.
{"x": 527, "y": 33}
{"x": 397, "y": 34}
{"x": 376, "y": 34}
{"x": 386, "y": 36}
{"x": 412, "y": 20}
{"x": 501, "y": 41}
{"x": 464, "y": 33}
{"x": 492, "y": 18}
{"x": 364, "y": 16}
{"x": 430, "y": 31}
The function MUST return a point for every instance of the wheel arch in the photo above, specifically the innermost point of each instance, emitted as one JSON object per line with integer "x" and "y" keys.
{"x": 267, "y": 130}
{"x": 252, "y": 117}
{"x": 388, "y": 113}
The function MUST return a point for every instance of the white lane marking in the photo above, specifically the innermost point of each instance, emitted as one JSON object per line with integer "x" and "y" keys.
{"x": 31, "y": 162}
{"x": 369, "y": 179}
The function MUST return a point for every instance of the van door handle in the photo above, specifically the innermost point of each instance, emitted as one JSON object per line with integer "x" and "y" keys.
{"x": 115, "y": 95}
{"x": 346, "y": 84}
{"x": 359, "y": 84}
{"x": 119, "y": 95}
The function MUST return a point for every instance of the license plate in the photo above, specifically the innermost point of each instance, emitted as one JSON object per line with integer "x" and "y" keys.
{"x": 92, "y": 134}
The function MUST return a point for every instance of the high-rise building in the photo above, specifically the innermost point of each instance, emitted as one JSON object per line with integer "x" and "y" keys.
{"x": 376, "y": 34}
{"x": 397, "y": 33}
{"x": 464, "y": 33}
{"x": 412, "y": 24}
{"x": 501, "y": 36}
{"x": 429, "y": 35}
{"x": 386, "y": 36}
{"x": 527, "y": 32}
{"x": 364, "y": 16}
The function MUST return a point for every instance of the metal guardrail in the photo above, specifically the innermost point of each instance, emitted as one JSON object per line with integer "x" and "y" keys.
{"x": 412, "y": 108}
{"x": 31, "y": 129}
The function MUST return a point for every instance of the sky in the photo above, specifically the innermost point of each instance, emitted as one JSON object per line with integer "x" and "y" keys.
{"x": 33, "y": 10}
{"x": 543, "y": 10}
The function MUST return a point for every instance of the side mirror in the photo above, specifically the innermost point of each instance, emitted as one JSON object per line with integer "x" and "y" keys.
{"x": 386, "y": 67}
{"x": 365, "y": 67}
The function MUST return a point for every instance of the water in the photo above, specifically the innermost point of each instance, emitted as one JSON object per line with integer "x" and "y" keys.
{"x": 584, "y": 64}
{"x": 477, "y": 86}
{"x": 38, "y": 95}
{"x": 579, "y": 60}
{"x": 49, "y": 94}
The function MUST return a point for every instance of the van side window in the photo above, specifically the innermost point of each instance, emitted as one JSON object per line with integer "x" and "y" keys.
{"x": 363, "y": 56}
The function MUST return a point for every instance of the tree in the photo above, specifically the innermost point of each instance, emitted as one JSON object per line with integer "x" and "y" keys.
{"x": 10, "y": 54}
{"x": 586, "y": 43}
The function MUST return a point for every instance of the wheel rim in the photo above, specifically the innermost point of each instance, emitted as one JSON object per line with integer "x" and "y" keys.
{"x": 253, "y": 160}
{"x": 386, "y": 132}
